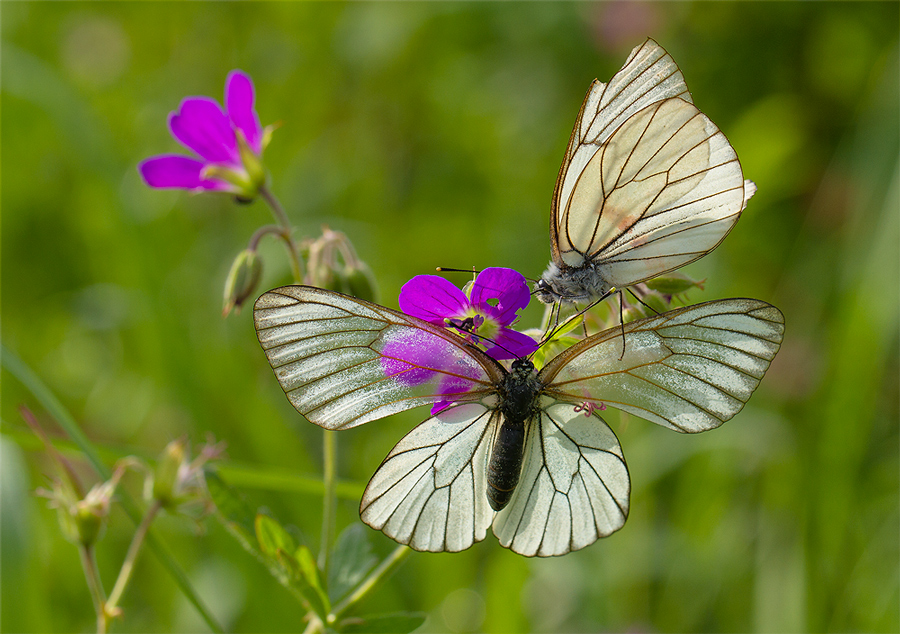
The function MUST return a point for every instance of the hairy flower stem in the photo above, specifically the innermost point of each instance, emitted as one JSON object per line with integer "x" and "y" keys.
{"x": 110, "y": 609}
{"x": 89, "y": 563}
{"x": 281, "y": 217}
{"x": 377, "y": 576}
{"x": 329, "y": 499}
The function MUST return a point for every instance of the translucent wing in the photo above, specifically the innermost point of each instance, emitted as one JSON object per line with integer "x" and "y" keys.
{"x": 430, "y": 492}
{"x": 343, "y": 362}
{"x": 573, "y": 489}
{"x": 662, "y": 192}
{"x": 649, "y": 75}
{"x": 689, "y": 369}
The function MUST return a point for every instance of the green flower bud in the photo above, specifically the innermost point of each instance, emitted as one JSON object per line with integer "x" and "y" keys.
{"x": 673, "y": 284}
{"x": 242, "y": 280}
{"x": 360, "y": 282}
{"x": 168, "y": 474}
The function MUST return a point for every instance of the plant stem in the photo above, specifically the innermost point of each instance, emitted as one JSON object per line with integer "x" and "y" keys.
{"x": 329, "y": 499}
{"x": 380, "y": 574}
{"x": 48, "y": 400}
{"x": 89, "y": 563}
{"x": 131, "y": 556}
{"x": 282, "y": 218}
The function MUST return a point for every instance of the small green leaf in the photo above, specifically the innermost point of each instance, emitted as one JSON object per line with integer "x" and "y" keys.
{"x": 272, "y": 536}
{"x": 233, "y": 512}
{"x": 351, "y": 561}
{"x": 304, "y": 575}
{"x": 397, "y": 622}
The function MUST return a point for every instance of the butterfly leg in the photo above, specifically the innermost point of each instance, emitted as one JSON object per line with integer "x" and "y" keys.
{"x": 642, "y": 302}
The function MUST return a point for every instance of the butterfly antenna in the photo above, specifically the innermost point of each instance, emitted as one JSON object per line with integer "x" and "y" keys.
{"x": 445, "y": 269}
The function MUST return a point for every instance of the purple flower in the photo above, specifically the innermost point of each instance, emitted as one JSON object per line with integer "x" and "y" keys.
{"x": 229, "y": 143}
{"x": 483, "y": 316}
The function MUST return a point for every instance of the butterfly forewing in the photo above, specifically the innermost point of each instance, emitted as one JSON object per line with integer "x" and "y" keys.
{"x": 431, "y": 491}
{"x": 690, "y": 369}
{"x": 649, "y": 75}
{"x": 343, "y": 362}
{"x": 573, "y": 489}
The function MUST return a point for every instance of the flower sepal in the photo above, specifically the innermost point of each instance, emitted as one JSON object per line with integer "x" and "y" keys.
{"x": 242, "y": 280}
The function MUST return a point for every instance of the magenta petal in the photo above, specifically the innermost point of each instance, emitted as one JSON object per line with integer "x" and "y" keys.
{"x": 239, "y": 104}
{"x": 202, "y": 127}
{"x": 176, "y": 171}
{"x": 516, "y": 345}
{"x": 432, "y": 298}
{"x": 507, "y": 287}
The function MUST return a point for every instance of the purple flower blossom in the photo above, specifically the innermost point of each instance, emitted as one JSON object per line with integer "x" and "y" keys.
{"x": 483, "y": 316}
{"x": 229, "y": 143}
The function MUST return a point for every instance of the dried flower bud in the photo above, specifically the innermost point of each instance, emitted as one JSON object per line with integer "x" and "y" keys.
{"x": 242, "y": 280}
{"x": 177, "y": 479}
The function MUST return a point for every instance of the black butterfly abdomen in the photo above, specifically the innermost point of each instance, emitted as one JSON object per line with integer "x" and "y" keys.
{"x": 506, "y": 463}
{"x": 519, "y": 397}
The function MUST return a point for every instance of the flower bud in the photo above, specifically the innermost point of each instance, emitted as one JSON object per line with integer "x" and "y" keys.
{"x": 360, "y": 282}
{"x": 242, "y": 280}
{"x": 673, "y": 284}
{"x": 167, "y": 476}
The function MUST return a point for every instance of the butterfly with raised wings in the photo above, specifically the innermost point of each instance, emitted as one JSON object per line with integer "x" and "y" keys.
{"x": 648, "y": 184}
{"x": 522, "y": 451}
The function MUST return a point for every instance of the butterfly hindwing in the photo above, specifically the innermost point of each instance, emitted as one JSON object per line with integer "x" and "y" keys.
{"x": 430, "y": 492}
{"x": 689, "y": 369}
{"x": 574, "y": 486}
{"x": 343, "y": 362}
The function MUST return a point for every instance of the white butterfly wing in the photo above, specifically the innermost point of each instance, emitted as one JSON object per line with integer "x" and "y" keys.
{"x": 649, "y": 75}
{"x": 431, "y": 490}
{"x": 573, "y": 489}
{"x": 689, "y": 369}
{"x": 343, "y": 362}
{"x": 665, "y": 190}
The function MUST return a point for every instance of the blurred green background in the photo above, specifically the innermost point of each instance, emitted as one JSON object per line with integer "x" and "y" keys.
{"x": 432, "y": 134}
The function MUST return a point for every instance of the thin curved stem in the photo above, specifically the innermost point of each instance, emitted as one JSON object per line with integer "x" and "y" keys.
{"x": 380, "y": 574}
{"x": 282, "y": 218}
{"x": 89, "y": 563}
{"x": 128, "y": 564}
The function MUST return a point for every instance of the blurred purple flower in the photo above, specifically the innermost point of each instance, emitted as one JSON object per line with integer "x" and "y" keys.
{"x": 229, "y": 143}
{"x": 483, "y": 316}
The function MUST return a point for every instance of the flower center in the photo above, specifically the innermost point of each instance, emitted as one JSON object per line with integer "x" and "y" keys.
{"x": 473, "y": 326}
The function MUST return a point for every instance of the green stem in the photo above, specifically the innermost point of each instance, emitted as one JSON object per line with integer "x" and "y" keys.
{"x": 329, "y": 499}
{"x": 128, "y": 564}
{"x": 284, "y": 221}
{"x": 89, "y": 563}
{"x": 48, "y": 400}
{"x": 278, "y": 230}
{"x": 380, "y": 574}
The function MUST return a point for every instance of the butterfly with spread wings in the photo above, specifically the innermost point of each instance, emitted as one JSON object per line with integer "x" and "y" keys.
{"x": 648, "y": 184}
{"x": 520, "y": 450}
